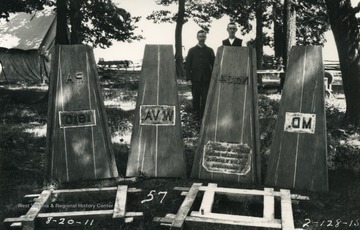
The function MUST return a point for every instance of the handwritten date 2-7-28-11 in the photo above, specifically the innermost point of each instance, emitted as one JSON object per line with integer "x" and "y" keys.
{"x": 331, "y": 223}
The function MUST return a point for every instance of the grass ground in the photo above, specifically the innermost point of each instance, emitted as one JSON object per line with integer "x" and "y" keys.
{"x": 22, "y": 155}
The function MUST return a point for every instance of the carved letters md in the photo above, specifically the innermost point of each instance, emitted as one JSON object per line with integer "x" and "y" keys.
{"x": 157, "y": 115}
{"x": 300, "y": 122}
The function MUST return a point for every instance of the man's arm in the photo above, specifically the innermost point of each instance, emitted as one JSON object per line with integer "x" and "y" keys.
{"x": 188, "y": 65}
{"x": 212, "y": 58}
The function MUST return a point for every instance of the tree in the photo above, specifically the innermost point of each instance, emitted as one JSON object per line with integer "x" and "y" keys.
{"x": 13, "y": 6}
{"x": 312, "y": 22}
{"x": 241, "y": 12}
{"x": 259, "y": 34}
{"x": 279, "y": 38}
{"x": 346, "y": 33}
{"x": 96, "y": 22}
{"x": 307, "y": 24}
{"x": 289, "y": 24}
{"x": 178, "y": 40}
{"x": 61, "y": 23}
{"x": 308, "y": 29}
{"x": 200, "y": 13}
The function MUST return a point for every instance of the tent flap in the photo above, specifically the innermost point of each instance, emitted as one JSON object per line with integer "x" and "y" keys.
{"x": 23, "y": 41}
{"x": 20, "y": 65}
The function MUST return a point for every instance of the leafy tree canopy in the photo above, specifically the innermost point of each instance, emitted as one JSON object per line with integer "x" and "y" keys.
{"x": 312, "y": 20}
{"x": 202, "y": 14}
{"x": 13, "y": 6}
{"x": 101, "y": 20}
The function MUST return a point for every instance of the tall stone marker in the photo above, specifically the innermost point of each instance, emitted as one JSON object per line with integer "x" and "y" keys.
{"x": 156, "y": 142}
{"x": 298, "y": 154}
{"x": 229, "y": 138}
{"x": 78, "y": 138}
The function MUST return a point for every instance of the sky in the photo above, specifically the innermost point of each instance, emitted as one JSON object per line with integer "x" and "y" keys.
{"x": 164, "y": 33}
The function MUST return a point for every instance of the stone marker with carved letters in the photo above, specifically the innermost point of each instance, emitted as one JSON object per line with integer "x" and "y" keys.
{"x": 78, "y": 138}
{"x": 298, "y": 154}
{"x": 229, "y": 138}
{"x": 156, "y": 143}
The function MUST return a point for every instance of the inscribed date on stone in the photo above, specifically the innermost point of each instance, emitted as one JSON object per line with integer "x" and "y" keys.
{"x": 81, "y": 118}
{"x": 228, "y": 158}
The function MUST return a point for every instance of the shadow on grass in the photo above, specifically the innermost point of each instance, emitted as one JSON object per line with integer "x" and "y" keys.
{"x": 24, "y": 95}
{"x": 22, "y": 162}
{"x": 120, "y": 120}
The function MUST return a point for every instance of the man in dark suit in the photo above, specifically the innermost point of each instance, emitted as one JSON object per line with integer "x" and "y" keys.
{"x": 232, "y": 40}
{"x": 199, "y": 65}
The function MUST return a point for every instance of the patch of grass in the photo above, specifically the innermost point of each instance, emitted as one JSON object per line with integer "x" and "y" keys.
{"x": 22, "y": 159}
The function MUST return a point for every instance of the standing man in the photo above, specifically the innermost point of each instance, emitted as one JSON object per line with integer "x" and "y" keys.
{"x": 199, "y": 65}
{"x": 232, "y": 40}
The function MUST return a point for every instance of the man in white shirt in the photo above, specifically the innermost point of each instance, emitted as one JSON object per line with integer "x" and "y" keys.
{"x": 232, "y": 40}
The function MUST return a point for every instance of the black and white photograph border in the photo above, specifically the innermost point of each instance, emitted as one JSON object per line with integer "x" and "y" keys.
{"x": 70, "y": 129}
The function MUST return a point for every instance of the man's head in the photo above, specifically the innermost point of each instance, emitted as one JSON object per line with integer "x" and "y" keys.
{"x": 231, "y": 29}
{"x": 201, "y": 37}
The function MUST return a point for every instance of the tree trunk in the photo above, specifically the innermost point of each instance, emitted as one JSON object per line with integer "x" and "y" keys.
{"x": 290, "y": 29}
{"x": 75, "y": 22}
{"x": 279, "y": 40}
{"x": 346, "y": 33}
{"x": 178, "y": 40}
{"x": 61, "y": 23}
{"x": 259, "y": 34}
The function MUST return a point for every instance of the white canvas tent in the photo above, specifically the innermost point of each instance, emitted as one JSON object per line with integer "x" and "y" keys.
{"x": 23, "y": 42}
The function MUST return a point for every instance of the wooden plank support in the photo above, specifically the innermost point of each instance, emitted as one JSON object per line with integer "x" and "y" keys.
{"x": 185, "y": 206}
{"x": 204, "y": 217}
{"x": 269, "y": 205}
{"x": 28, "y": 220}
{"x": 87, "y": 214}
{"x": 287, "y": 220}
{"x": 16, "y": 225}
{"x": 208, "y": 200}
{"x": 83, "y": 190}
{"x": 250, "y": 192}
{"x": 183, "y": 193}
{"x": 259, "y": 192}
{"x": 184, "y": 189}
{"x": 237, "y": 220}
{"x": 229, "y": 220}
{"x": 91, "y": 213}
{"x": 166, "y": 221}
{"x": 18, "y": 222}
{"x": 31, "y": 195}
{"x": 120, "y": 202}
